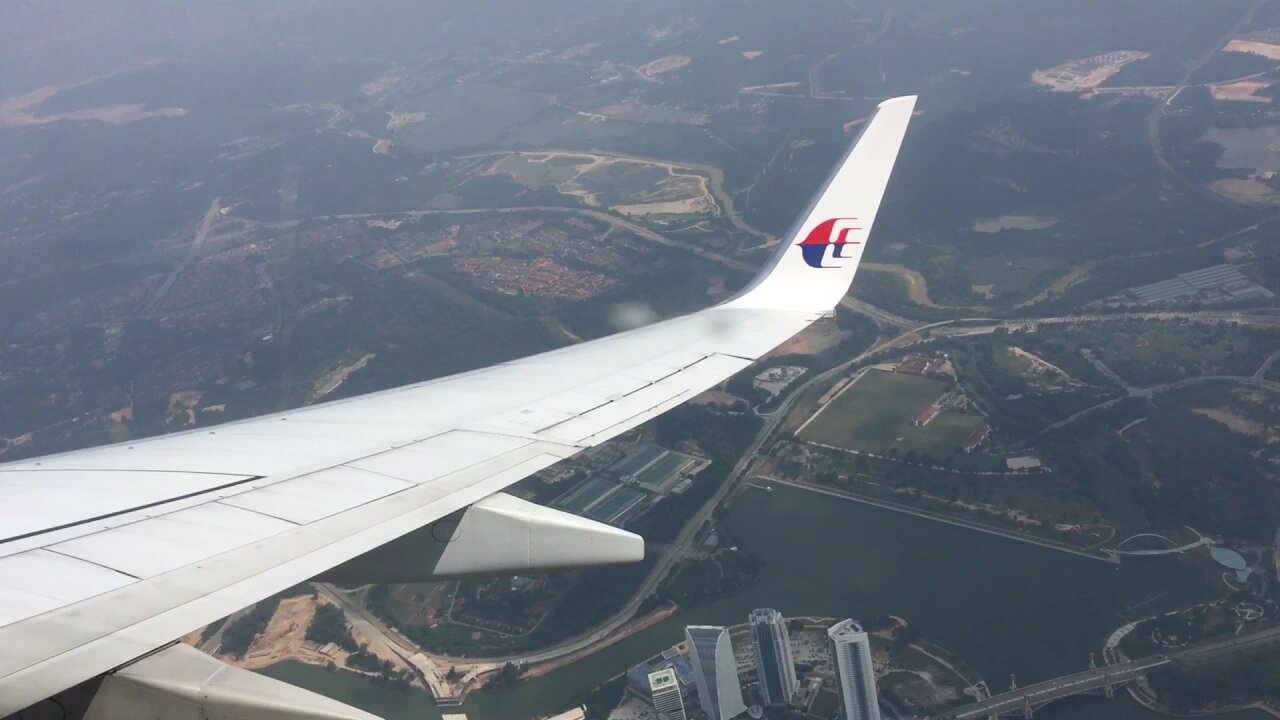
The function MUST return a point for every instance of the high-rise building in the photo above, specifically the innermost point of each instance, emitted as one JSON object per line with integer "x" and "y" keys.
{"x": 715, "y": 672}
{"x": 667, "y": 703}
{"x": 771, "y": 646}
{"x": 855, "y": 678}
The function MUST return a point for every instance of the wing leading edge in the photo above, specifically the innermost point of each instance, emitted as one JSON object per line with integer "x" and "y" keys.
{"x": 109, "y": 553}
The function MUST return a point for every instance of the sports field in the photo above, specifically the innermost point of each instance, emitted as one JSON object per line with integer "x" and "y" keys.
{"x": 641, "y": 456}
{"x": 660, "y": 476}
{"x": 580, "y": 498}
{"x": 943, "y": 436}
{"x": 616, "y": 505}
{"x": 875, "y": 414}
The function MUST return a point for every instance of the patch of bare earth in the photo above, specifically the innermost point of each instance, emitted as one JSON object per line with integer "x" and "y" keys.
{"x": 1253, "y": 47}
{"x": 772, "y": 87}
{"x": 714, "y": 397}
{"x": 688, "y": 206}
{"x": 283, "y": 637}
{"x": 17, "y": 111}
{"x": 917, "y": 286}
{"x": 1244, "y": 190}
{"x": 665, "y": 64}
{"x": 332, "y": 379}
{"x": 1084, "y": 74}
{"x": 1236, "y": 423}
{"x": 1036, "y": 365}
{"x": 1245, "y": 90}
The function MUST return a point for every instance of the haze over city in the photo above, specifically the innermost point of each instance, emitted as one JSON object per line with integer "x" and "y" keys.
{"x": 1029, "y": 463}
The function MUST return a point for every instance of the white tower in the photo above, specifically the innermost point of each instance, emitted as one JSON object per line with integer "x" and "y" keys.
{"x": 667, "y": 703}
{"x": 855, "y": 678}
{"x": 715, "y": 672}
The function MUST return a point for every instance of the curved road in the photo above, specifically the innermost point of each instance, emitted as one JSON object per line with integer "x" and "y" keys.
{"x": 673, "y": 552}
{"x": 879, "y": 315}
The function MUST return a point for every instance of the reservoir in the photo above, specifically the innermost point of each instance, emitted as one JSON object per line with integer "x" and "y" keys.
{"x": 1001, "y": 605}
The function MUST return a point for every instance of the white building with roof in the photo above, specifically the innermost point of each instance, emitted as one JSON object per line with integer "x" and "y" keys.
{"x": 855, "y": 676}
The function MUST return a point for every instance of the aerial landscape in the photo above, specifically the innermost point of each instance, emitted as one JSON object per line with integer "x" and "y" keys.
{"x": 1030, "y": 464}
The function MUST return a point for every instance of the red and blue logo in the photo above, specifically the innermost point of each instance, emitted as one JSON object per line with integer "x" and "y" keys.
{"x": 833, "y": 233}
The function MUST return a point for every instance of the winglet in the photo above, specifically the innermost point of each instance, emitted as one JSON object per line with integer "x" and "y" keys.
{"x": 815, "y": 263}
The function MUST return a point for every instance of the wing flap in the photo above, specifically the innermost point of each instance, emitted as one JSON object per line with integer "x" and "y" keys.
{"x": 313, "y": 497}
{"x": 33, "y": 500}
{"x": 39, "y": 580}
{"x": 436, "y": 457}
{"x": 611, "y": 414}
{"x": 160, "y": 544}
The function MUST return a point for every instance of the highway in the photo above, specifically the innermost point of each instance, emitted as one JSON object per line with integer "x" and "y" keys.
{"x": 1107, "y": 678}
{"x": 671, "y": 554}
{"x": 908, "y": 333}
{"x": 1149, "y": 392}
{"x": 881, "y": 316}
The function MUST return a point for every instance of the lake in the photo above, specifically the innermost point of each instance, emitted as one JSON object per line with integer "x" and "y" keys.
{"x": 1002, "y": 605}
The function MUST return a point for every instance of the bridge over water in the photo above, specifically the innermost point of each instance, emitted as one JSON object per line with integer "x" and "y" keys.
{"x": 1105, "y": 680}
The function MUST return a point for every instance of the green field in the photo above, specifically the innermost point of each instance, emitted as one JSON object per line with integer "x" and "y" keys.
{"x": 942, "y": 436}
{"x": 875, "y": 414}
{"x": 580, "y": 498}
{"x": 617, "y": 503}
{"x": 634, "y": 462}
{"x": 661, "y": 474}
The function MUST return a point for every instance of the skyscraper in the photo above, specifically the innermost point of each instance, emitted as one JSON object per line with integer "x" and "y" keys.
{"x": 855, "y": 678}
{"x": 715, "y": 672}
{"x": 771, "y": 646}
{"x": 667, "y": 703}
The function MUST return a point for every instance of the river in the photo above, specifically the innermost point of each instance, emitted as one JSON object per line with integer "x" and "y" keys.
{"x": 1004, "y": 606}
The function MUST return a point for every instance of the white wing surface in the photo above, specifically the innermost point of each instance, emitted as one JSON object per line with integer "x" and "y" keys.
{"x": 109, "y": 553}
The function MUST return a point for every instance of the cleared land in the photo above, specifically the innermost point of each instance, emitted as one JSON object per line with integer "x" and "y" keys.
{"x": 874, "y": 414}
{"x": 1245, "y": 90}
{"x": 22, "y": 111}
{"x": 665, "y": 65}
{"x": 1266, "y": 50}
{"x": 615, "y": 182}
{"x": 1246, "y": 190}
{"x": 1013, "y": 222}
{"x": 1085, "y": 74}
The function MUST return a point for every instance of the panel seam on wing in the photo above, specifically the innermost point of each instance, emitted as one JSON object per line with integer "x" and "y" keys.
{"x": 50, "y": 549}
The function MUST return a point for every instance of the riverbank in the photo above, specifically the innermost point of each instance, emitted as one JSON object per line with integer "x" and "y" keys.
{"x": 1004, "y": 607}
{"x": 947, "y": 519}
{"x": 1149, "y": 694}
{"x": 634, "y": 626}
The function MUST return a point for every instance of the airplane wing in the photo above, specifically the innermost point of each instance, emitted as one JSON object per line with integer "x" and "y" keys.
{"x": 107, "y": 554}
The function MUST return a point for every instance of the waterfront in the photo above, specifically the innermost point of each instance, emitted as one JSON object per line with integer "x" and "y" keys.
{"x": 1001, "y": 605}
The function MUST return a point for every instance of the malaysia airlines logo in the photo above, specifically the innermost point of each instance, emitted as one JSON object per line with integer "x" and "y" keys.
{"x": 833, "y": 233}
